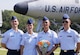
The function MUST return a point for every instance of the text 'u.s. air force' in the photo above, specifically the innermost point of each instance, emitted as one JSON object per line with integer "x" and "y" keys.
{"x": 62, "y": 9}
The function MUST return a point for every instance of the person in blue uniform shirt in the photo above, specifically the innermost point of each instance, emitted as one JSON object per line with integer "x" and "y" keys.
{"x": 68, "y": 38}
{"x": 49, "y": 35}
{"x": 12, "y": 38}
{"x": 28, "y": 43}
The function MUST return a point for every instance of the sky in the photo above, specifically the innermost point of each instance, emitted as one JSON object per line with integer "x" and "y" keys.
{"x": 9, "y": 4}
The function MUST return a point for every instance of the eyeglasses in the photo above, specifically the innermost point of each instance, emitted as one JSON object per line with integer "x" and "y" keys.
{"x": 65, "y": 22}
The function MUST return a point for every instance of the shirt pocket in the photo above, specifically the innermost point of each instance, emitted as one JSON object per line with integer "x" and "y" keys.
{"x": 33, "y": 42}
{"x": 69, "y": 37}
{"x": 41, "y": 38}
{"x": 26, "y": 41}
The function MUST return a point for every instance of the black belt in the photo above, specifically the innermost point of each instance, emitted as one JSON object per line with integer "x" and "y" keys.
{"x": 13, "y": 50}
{"x": 67, "y": 50}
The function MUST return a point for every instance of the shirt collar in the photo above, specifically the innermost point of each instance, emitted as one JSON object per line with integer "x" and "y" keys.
{"x": 49, "y": 31}
{"x": 68, "y": 30}
{"x": 14, "y": 30}
{"x": 30, "y": 34}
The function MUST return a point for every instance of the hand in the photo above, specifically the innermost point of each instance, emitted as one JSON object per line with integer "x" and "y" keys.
{"x": 77, "y": 53}
{"x": 40, "y": 53}
{"x": 48, "y": 53}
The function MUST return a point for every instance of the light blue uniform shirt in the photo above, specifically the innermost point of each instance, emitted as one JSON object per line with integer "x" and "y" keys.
{"x": 68, "y": 39}
{"x": 12, "y": 39}
{"x": 29, "y": 43}
{"x": 79, "y": 38}
{"x": 50, "y": 35}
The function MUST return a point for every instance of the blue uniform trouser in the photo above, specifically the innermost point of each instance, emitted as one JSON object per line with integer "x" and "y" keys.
{"x": 13, "y": 52}
{"x": 69, "y": 52}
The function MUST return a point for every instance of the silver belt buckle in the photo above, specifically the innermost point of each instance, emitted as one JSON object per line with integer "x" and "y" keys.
{"x": 65, "y": 50}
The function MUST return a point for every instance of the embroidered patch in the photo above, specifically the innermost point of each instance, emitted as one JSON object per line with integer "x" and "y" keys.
{"x": 35, "y": 37}
{"x": 60, "y": 36}
{"x": 12, "y": 36}
{"x": 69, "y": 36}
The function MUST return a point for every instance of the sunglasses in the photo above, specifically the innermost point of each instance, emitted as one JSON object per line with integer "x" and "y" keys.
{"x": 45, "y": 22}
{"x": 65, "y": 22}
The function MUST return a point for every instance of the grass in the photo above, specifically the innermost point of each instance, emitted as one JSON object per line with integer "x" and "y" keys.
{"x": 3, "y": 52}
{"x": 56, "y": 52}
{"x": 0, "y": 42}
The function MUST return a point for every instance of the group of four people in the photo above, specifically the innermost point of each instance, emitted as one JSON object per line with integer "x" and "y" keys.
{"x": 19, "y": 43}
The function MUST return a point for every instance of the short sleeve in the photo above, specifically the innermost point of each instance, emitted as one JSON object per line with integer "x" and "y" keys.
{"x": 5, "y": 38}
{"x": 76, "y": 37}
{"x": 55, "y": 38}
{"x": 59, "y": 34}
{"x": 37, "y": 39}
{"x": 21, "y": 32}
{"x": 23, "y": 41}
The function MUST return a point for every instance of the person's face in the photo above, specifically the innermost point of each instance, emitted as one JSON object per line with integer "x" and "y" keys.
{"x": 29, "y": 27}
{"x": 15, "y": 23}
{"x": 66, "y": 23}
{"x": 46, "y": 24}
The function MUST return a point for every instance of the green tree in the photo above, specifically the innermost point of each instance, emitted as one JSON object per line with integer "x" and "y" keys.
{"x": 7, "y": 14}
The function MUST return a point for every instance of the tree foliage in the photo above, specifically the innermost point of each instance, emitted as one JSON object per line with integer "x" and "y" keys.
{"x": 6, "y": 16}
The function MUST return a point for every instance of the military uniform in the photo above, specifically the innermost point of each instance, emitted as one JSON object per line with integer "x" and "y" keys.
{"x": 68, "y": 38}
{"x": 50, "y": 36}
{"x": 29, "y": 43}
{"x": 29, "y": 40}
{"x": 12, "y": 39}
